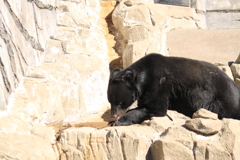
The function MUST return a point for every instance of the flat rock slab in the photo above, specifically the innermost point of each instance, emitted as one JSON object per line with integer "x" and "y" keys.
{"x": 204, "y": 126}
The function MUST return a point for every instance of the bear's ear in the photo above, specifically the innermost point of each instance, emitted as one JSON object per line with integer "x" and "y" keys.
{"x": 130, "y": 77}
{"x": 114, "y": 73}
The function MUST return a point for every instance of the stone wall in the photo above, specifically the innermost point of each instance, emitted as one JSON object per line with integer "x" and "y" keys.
{"x": 57, "y": 44}
{"x": 54, "y": 70}
{"x": 142, "y": 27}
{"x": 25, "y": 27}
{"x": 218, "y": 13}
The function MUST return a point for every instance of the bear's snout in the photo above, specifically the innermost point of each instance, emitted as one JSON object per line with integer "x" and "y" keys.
{"x": 116, "y": 112}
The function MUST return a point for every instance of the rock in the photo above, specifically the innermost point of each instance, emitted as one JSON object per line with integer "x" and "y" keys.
{"x": 161, "y": 124}
{"x": 235, "y": 70}
{"x": 204, "y": 126}
{"x": 84, "y": 15}
{"x": 238, "y": 59}
{"x": 46, "y": 23}
{"x": 231, "y": 137}
{"x": 48, "y": 72}
{"x": 143, "y": 27}
{"x": 54, "y": 69}
{"x": 47, "y": 133}
{"x": 203, "y": 113}
{"x": 178, "y": 118}
{"x": 54, "y": 50}
{"x": 199, "y": 5}
{"x": 179, "y": 134}
{"x": 11, "y": 123}
{"x": 218, "y": 13}
{"x": 130, "y": 142}
{"x": 199, "y": 150}
{"x": 214, "y": 152}
{"x": 71, "y": 87}
{"x": 225, "y": 68}
{"x": 167, "y": 149}
{"x": 136, "y": 2}
{"x": 35, "y": 72}
{"x": 135, "y": 51}
{"x": 108, "y": 143}
{"x": 223, "y": 20}
{"x": 222, "y": 4}
{"x": 137, "y": 31}
{"x": 25, "y": 146}
{"x": 237, "y": 81}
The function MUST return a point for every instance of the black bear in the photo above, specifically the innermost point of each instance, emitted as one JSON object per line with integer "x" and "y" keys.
{"x": 159, "y": 83}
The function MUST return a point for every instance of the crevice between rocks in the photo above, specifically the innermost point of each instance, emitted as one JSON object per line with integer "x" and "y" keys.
{"x": 225, "y": 10}
{"x": 41, "y": 5}
{"x": 8, "y": 42}
{"x": 4, "y": 76}
{"x": 152, "y": 20}
{"x": 113, "y": 37}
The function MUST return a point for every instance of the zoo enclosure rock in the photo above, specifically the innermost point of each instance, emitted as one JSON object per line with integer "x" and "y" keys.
{"x": 158, "y": 138}
{"x": 54, "y": 65}
{"x": 143, "y": 26}
{"x": 49, "y": 48}
{"x": 22, "y": 40}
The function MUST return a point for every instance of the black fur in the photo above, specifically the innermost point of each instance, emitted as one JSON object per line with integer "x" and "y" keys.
{"x": 159, "y": 83}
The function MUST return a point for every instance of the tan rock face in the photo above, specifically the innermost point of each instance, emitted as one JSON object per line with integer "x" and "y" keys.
{"x": 55, "y": 64}
{"x": 164, "y": 149}
{"x": 24, "y": 146}
{"x": 225, "y": 68}
{"x": 158, "y": 138}
{"x": 109, "y": 143}
{"x": 231, "y": 137}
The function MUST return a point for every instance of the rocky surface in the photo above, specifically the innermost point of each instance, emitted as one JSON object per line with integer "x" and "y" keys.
{"x": 22, "y": 40}
{"x": 54, "y": 72}
{"x": 159, "y": 138}
{"x": 54, "y": 63}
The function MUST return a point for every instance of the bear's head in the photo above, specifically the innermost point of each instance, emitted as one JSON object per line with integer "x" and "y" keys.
{"x": 122, "y": 91}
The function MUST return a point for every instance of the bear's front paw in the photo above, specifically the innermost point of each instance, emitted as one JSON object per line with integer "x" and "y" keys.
{"x": 118, "y": 123}
{"x": 114, "y": 123}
